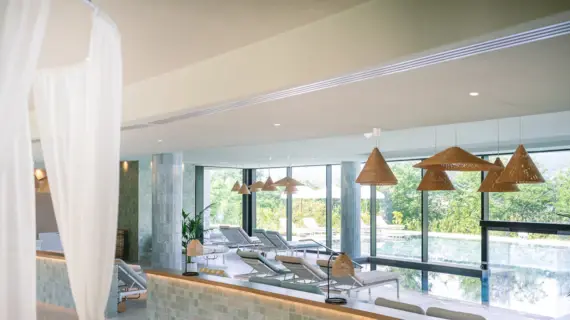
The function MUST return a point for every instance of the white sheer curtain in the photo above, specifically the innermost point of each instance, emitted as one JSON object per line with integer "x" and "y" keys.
{"x": 79, "y": 117}
{"x": 22, "y": 26}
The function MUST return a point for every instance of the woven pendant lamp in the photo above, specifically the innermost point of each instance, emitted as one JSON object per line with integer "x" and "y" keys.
{"x": 456, "y": 159}
{"x": 376, "y": 171}
{"x": 243, "y": 189}
{"x": 236, "y": 186}
{"x": 435, "y": 180}
{"x": 269, "y": 185}
{"x": 287, "y": 181}
{"x": 521, "y": 169}
{"x": 256, "y": 186}
{"x": 490, "y": 184}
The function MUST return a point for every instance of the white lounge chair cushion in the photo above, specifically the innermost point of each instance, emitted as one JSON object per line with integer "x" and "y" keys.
{"x": 302, "y": 244}
{"x": 452, "y": 315}
{"x": 372, "y": 277}
{"x": 399, "y": 305}
{"x": 295, "y": 260}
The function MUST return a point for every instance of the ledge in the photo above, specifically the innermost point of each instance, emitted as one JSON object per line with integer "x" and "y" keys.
{"x": 353, "y": 307}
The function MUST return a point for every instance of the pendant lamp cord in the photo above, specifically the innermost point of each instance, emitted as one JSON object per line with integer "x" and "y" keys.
{"x": 520, "y": 130}
{"x": 435, "y": 140}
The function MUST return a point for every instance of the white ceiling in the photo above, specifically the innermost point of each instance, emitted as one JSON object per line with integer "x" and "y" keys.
{"x": 161, "y": 36}
{"x": 525, "y": 80}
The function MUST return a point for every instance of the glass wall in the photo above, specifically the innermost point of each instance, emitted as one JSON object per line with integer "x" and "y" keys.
{"x": 399, "y": 214}
{"x": 336, "y": 207}
{"x": 271, "y": 206}
{"x": 309, "y": 204}
{"x": 454, "y": 231}
{"x": 226, "y": 205}
{"x": 543, "y": 202}
{"x": 530, "y": 272}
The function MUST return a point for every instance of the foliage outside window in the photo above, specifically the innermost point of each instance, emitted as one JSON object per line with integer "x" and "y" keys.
{"x": 271, "y": 206}
{"x": 227, "y": 208}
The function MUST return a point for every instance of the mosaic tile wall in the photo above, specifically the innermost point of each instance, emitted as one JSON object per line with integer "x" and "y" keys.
{"x": 145, "y": 211}
{"x": 177, "y": 299}
{"x": 145, "y": 204}
{"x": 129, "y": 207}
{"x": 52, "y": 286}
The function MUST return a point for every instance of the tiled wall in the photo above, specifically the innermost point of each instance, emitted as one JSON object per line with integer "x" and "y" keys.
{"x": 129, "y": 207}
{"x": 177, "y": 299}
{"x": 145, "y": 211}
{"x": 53, "y": 285}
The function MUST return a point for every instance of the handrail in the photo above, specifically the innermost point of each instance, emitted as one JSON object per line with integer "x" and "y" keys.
{"x": 329, "y": 249}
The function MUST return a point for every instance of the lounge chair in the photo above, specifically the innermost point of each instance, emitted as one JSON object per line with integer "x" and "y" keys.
{"x": 363, "y": 280}
{"x": 260, "y": 265}
{"x": 237, "y": 237}
{"x": 309, "y": 288}
{"x": 452, "y": 315}
{"x": 302, "y": 270}
{"x": 262, "y": 236}
{"x": 284, "y": 245}
{"x": 313, "y": 227}
{"x": 288, "y": 285}
{"x": 130, "y": 282}
{"x": 399, "y": 305}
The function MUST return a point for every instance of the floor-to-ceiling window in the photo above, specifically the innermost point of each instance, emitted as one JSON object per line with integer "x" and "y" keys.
{"x": 454, "y": 231}
{"x": 226, "y": 206}
{"x": 531, "y": 271}
{"x": 309, "y": 204}
{"x": 336, "y": 207}
{"x": 398, "y": 214}
{"x": 271, "y": 206}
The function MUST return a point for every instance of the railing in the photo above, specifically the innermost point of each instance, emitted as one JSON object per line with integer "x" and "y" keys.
{"x": 329, "y": 250}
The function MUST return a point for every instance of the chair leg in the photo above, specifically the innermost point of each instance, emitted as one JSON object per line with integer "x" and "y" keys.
{"x": 398, "y": 288}
{"x": 305, "y": 253}
{"x": 370, "y": 292}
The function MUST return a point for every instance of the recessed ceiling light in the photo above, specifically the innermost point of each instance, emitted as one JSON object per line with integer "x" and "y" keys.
{"x": 159, "y": 140}
{"x": 473, "y": 94}
{"x": 277, "y": 124}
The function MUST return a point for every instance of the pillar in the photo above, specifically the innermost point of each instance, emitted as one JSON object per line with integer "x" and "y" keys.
{"x": 350, "y": 209}
{"x": 145, "y": 211}
{"x": 167, "y": 197}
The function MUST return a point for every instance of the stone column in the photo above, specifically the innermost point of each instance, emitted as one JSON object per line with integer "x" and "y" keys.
{"x": 167, "y": 211}
{"x": 350, "y": 209}
{"x": 145, "y": 211}
{"x": 189, "y": 188}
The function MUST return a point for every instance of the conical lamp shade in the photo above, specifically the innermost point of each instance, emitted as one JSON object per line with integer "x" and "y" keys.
{"x": 521, "y": 169}
{"x": 435, "y": 180}
{"x": 256, "y": 186}
{"x": 490, "y": 183}
{"x": 456, "y": 159}
{"x": 268, "y": 186}
{"x": 290, "y": 189}
{"x": 243, "y": 189}
{"x": 376, "y": 171}
{"x": 236, "y": 186}
{"x": 287, "y": 181}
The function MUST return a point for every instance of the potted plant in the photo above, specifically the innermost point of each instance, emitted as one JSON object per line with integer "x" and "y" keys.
{"x": 192, "y": 228}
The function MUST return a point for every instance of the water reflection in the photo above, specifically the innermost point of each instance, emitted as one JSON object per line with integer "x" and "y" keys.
{"x": 522, "y": 289}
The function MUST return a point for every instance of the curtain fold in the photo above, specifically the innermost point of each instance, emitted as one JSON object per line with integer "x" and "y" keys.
{"x": 79, "y": 117}
{"x": 22, "y": 27}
